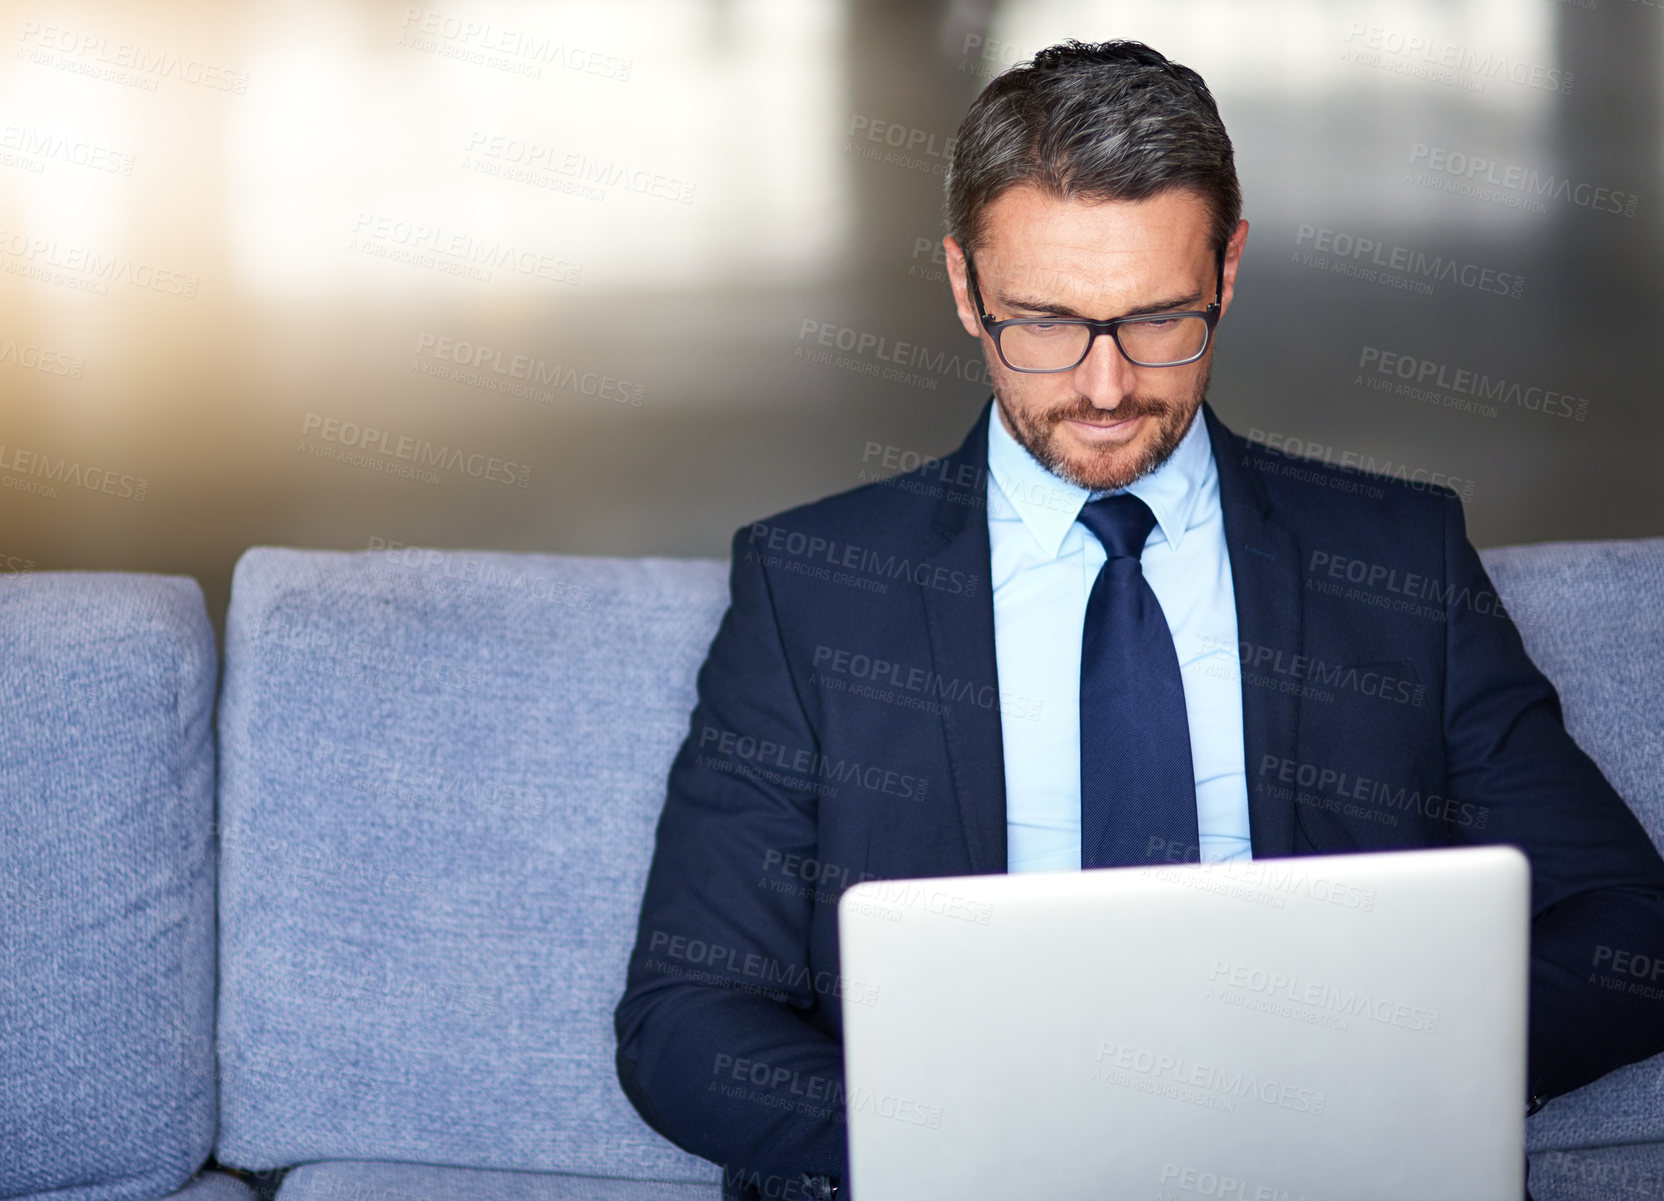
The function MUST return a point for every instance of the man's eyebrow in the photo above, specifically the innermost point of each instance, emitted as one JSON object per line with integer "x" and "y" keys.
{"x": 1063, "y": 310}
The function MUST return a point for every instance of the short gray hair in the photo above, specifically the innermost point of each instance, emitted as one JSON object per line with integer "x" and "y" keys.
{"x": 1093, "y": 121}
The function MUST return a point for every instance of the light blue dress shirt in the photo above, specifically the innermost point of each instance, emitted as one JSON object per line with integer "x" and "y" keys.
{"x": 1044, "y": 563}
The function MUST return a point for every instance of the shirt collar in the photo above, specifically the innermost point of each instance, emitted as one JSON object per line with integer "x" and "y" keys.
{"x": 1049, "y": 504}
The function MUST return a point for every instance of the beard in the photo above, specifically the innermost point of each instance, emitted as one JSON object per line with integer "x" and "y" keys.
{"x": 1106, "y": 468}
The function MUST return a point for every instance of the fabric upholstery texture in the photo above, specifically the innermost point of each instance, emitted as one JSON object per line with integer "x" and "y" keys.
{"x": 106, "y": 885}
{"x": 1589, "y": 617}
{"x": 213, "y": 1186}
{"x": 371, "y": 1181}
{"x": 440, "y": 775}
{"x": 1624, "y": 1173}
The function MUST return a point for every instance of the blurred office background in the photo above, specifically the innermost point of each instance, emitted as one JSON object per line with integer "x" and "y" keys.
{"x": 559, "y": 276}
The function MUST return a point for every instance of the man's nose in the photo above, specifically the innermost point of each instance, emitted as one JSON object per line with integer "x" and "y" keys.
{"x": 1105, "y": 375}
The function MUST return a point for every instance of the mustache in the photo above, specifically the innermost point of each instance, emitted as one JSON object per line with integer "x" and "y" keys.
{"x": 1129, "y": 407}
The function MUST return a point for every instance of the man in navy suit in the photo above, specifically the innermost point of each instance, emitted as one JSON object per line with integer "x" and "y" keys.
{"x": 899, "y": 686}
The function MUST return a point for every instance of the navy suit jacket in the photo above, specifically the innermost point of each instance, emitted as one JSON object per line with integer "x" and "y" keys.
{"x": 848, "y": 727}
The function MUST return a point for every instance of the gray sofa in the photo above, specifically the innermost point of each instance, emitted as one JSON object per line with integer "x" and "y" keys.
{"x": 359, "y": 905}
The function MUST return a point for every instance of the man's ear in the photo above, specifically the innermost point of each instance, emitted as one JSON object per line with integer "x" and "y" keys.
{"x": 961, "y": 289}
{"x": 1233, "y": 257}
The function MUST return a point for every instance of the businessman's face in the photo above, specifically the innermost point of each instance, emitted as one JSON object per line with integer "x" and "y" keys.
{"x": 1108, "y": 421}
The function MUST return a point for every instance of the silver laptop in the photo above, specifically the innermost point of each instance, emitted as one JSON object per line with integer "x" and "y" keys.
{"x": 1317, "y": 1028}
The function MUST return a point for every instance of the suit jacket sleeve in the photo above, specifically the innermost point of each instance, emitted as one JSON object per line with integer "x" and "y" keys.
{"x": 1597, "y": 880}
{"x": 715, "y": 1047}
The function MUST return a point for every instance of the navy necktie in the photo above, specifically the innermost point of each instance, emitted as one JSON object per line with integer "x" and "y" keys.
{"x": 1137, "y": 785}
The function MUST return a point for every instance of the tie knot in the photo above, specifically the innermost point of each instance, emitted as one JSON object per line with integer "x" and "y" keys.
{"x": 1122, "y": 522}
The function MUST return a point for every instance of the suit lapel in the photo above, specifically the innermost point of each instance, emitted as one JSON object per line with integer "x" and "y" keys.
{"x": 961, "y": 629}
{"x": 1265, "y": 576}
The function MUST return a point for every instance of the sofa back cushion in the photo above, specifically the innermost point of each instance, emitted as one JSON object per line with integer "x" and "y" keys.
{"x": 441, "y": 773}
{"x": 106, "y": 885}
{"x": 1592, "y": 619}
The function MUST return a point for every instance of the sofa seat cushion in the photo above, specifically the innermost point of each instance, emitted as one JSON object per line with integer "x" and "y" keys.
{"x": 372, "y": 1180}
{"x": 1625, "y": 1105}
{"x": 213, "y": 1186}
{"x": 1633, "y": 1170}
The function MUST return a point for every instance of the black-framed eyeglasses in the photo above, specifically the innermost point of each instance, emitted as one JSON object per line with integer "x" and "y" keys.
{"x": 1045, "y": 344}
